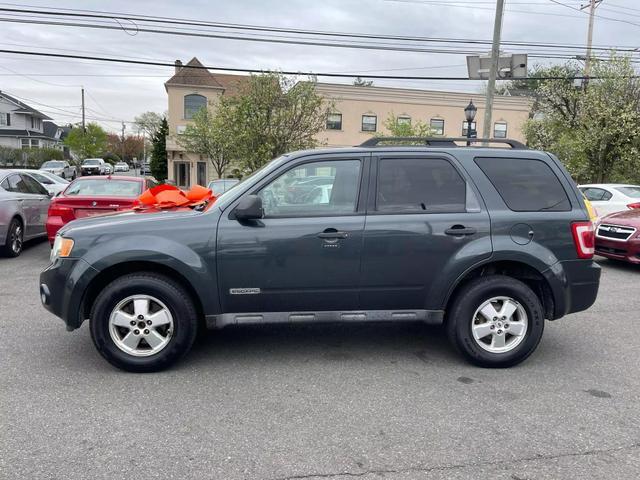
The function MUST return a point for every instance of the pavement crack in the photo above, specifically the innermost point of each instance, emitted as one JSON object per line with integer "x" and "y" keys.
{"x": 459, "y": 466}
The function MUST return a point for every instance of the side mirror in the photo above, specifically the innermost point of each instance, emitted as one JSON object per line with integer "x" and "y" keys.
{"x": 249, "y": 208}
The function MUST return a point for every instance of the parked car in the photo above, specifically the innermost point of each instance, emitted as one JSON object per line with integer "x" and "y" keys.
{"x": 488, "y": 242}
{"x": 618, "y": 236}
{"x": 145, "y": 168}
{"x": 53, "y": 183}
{"x": 108, "y": 169}
{"x": 93, "y": 166}
{"x": 121, "y": 167}
{"x": 609, "y": 198}
{"x": 62, "y": 168}
{"x": 87, "y": 197}
{"x": 23, "y": 211}
{"x": 220, "y": 186}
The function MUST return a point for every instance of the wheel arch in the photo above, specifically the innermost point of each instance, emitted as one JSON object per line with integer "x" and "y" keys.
{"x": 106, "y": 276}
{"x": 517, "y": 269}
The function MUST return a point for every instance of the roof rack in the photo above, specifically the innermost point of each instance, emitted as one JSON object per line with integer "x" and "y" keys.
{"x": 442, "y": 141}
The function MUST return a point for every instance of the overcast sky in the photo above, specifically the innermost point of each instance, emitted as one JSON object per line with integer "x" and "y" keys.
{"x": 116, "y": 91}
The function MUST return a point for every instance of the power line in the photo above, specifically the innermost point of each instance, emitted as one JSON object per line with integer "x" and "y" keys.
{"x": 253, "y": 70}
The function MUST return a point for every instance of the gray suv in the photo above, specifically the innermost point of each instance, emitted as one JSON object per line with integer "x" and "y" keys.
{"x": 488, "y": 242}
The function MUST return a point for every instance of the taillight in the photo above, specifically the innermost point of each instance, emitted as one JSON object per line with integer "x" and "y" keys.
{"x": 633, "y": 206}
{"x": 583, "y": 238}
{"x": 66, "y": 213}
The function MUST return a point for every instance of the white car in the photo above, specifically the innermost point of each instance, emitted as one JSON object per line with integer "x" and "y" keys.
{"x": 607, "y": 198}
{"x": 121, "y": 167}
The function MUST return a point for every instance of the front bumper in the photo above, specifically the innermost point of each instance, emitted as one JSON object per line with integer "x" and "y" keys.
{"x": 574, "y": 285}
{"x": 628, "y": 251}
{"x": 90, "y": 171}
{"x": 62, "y": 287}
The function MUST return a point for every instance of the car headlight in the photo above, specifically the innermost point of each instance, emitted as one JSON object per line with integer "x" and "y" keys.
{"x": 61, "y": 248}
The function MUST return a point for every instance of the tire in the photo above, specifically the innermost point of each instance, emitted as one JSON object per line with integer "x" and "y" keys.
{"x": 114, "y": 304}
{"x": 15, "y": 239}
{"x": 487, "y": 342}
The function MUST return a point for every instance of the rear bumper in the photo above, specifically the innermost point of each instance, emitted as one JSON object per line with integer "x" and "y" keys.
{"x": 628, "y": 251}
{"x": 62, "y": 287}
{"x": 574, "y": 285}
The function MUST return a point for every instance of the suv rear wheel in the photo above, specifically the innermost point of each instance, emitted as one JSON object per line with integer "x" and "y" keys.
{"x": 495, "y": 321}
{"x": 143, "y": 322}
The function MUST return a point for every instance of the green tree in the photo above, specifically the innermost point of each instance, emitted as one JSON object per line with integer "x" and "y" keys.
{"x": 397, "y": 127}
{"x": 158, "y": 163}
{"x": 148, "y": 122}
{"x": 594, "y": 131}
{"x": 89, "y": 144}
{"x": 360, "y": 82}
{"x": 272, "y": 115}
{"x": 206, "y": 136}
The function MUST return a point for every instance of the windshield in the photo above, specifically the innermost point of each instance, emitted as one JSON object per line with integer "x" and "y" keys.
{"x": 53, "y": 164}
{"x": 91, "y": 162}
{"x": 633, "y": 191}
{"x": 104, "y": 187}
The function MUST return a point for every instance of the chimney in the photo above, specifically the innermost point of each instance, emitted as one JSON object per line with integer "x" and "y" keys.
{"x": 178, "y": 64}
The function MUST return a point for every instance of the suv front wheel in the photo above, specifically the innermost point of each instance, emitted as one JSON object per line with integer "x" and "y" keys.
{"x": 143, "y": 322}
{"x": 495, "y": 321}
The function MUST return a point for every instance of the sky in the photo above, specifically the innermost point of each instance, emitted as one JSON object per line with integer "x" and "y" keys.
{"x": 119, "y": 92}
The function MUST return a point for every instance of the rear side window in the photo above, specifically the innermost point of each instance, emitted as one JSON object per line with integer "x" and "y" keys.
{"x": 596, "y": 194}
{"x": 525, "y": 185}
{"x": 429, "y": 185}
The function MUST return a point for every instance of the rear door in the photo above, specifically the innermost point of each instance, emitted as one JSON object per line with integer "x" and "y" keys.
{"x": 29, "y": 204}
{"x": 425, "y": 226}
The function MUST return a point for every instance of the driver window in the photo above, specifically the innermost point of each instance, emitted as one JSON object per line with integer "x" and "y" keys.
{"x": 319, "y": 188}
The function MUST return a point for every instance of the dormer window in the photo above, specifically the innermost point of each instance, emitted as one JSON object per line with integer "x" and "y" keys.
{"x": 192, "y": 104}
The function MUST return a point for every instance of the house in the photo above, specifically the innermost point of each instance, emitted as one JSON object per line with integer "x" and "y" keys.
{"x": 358, "y": 113}
{"x": 22, "y": 126}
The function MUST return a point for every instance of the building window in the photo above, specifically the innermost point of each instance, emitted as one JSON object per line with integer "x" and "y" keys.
{"x": 5, "y": 119}
{"x": 35, "y": 143}
{"x": 201, "y": 173}
{"x": 192, "y": 104}
{"x": 334, "y": 121}
{"x": 500, "y": 130}
{"x": 24, "y": 143}
{"x": 464, "y": 127}
{"x": 437, "y": 126}
{"x": 369, "y": 123}
{"x": 36, "y": 123}
{"x": 404, "y": 120}
{"x": 180, "y": 129}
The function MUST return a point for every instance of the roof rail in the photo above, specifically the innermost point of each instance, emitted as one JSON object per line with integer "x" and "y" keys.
{"x": 441, "y": 141}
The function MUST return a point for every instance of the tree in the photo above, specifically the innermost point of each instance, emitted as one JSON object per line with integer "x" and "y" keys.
{"x": 359, "y": 82}
{"x": 594, "y": 131}
{"x": 158, "y": 163}
{"x": 149, "y": 122}
{"x": 398, "y": 128}
{"x": 272, "y": 115}
{"x": 206, "y": 136}
{"x": 131, "y": 147}
{"x": 89, "y": 144}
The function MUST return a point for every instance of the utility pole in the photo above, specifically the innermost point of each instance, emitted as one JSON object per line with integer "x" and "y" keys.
{"x": 493, "y": 70}
{"x": 84, "y": 130}
{"x": 592, "y": 11}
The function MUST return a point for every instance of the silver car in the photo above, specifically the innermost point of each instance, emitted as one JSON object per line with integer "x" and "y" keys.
{"x": 24, "y": 204}
{"x": 53, "y": 183}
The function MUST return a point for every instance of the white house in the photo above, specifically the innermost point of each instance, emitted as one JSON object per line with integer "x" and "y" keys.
{"x": 22, "y": 126}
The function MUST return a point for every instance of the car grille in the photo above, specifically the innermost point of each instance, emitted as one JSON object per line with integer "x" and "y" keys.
{"x": 615, "y": 232}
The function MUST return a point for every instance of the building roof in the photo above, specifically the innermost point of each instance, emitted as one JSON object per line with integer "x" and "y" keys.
{"x": 23, "y": 107}
{"x": 50, "y": 129}
{"x": 194, "y": 74}
{"x": 4, "y": 132}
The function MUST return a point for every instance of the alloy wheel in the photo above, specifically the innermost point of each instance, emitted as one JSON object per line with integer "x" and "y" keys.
{"x": 16, "y": 239}
{"x": 499, "y": 325}
{"x": 141, "y": 325}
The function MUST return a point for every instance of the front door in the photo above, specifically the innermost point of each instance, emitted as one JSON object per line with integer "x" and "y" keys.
{"x": 39, "y": 200}
{"x": 424, "y": 226}
{"x": 304, "y": 255}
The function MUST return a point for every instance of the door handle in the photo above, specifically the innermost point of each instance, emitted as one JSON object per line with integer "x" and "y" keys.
{"x": 332, "y": 233}
{"x": 460, "y": 230}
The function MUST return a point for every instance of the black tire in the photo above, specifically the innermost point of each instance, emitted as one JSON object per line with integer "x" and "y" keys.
{"x": 176, "y": 299}
{"x": 470, "y": 297}
{"x": 11, "y": 248}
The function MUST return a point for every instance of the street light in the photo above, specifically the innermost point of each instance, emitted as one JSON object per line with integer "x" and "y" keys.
{"x": 469, "y": 114}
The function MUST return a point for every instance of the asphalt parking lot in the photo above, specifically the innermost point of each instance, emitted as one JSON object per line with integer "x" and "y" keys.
{"x": 320, "y": 402}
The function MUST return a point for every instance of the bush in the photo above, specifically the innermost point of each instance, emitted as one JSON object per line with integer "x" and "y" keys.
{"x": 28, "y": 157}
{"x": 111, "y": 158}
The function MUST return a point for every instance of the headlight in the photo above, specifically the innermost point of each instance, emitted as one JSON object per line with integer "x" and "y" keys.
{"x": 61, "y": 248}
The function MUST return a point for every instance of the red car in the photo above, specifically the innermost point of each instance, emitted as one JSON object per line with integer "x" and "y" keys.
{"x": 618, "y": 236}
{"x": 89, "y": 196}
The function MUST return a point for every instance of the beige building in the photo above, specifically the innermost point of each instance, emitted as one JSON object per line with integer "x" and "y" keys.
{"x": 358, "y": 113}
